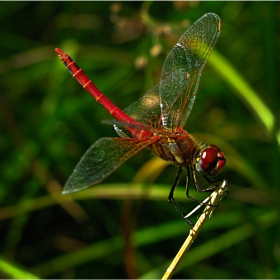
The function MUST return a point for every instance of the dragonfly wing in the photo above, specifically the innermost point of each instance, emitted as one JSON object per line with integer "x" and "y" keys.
{"x": 101, "y": 159}
{"x": 145, "y": 110}
{"x": 182, "y": 70}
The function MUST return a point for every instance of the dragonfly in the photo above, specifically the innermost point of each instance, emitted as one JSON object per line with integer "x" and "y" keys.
{"x": 156, "y": 120}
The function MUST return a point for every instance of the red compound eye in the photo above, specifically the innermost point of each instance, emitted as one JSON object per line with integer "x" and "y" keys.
{"x": 209, "y": 156}
{"x": 211, "y": 161}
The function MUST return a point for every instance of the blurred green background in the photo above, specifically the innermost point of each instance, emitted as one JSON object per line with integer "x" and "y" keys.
{"x": 124, "y": 227}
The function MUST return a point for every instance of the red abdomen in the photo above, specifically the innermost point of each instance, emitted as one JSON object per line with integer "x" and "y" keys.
{"x": 87, "y": 84}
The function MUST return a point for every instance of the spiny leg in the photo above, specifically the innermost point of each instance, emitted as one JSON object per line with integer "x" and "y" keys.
{"x": 197, "y": 187}
{"x": 173, "y": 202}
{"x": 210, "y": 181}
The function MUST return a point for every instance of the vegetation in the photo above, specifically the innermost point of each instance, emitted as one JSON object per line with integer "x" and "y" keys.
{"x": 124, "y": 227}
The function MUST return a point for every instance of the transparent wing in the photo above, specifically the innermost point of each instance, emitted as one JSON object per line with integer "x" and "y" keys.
{"x": 145, "y": 110}
{"x": 101, "y": 159}
{"x": 182, "y": 70}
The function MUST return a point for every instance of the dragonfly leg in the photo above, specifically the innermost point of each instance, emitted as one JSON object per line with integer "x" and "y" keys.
{"x": 210, "y": 181}
{"x": 197, "y": 187}
{"x": 174, "y": 203}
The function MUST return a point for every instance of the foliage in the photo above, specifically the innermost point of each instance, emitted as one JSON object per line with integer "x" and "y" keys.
{"x": 124, "y": 227}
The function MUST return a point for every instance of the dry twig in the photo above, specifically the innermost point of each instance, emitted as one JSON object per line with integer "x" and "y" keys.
{"x": 214, "y": 199}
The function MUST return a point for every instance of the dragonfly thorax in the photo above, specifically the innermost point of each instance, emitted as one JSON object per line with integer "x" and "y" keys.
{"x": 179, "y": 148}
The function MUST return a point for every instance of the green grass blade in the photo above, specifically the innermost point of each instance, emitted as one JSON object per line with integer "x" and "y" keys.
{"x": 14, "y": 272}
{"x": 224, "y": 68}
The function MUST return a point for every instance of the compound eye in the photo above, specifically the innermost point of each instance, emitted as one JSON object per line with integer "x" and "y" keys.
{"x": 209, "y": 156}
{"x": 211, "y": 161}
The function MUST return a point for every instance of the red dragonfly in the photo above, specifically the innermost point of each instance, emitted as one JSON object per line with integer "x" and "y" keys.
{"x": 157, "y": 119}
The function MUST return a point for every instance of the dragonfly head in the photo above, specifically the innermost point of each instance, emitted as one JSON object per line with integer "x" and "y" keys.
{"x": 210, "y": 161}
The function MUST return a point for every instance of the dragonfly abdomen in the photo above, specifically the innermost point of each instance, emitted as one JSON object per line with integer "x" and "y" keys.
{"x": 88, "y": 85}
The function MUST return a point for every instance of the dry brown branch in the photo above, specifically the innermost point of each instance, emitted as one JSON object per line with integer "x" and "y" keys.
{"x": 214, "y": 199}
